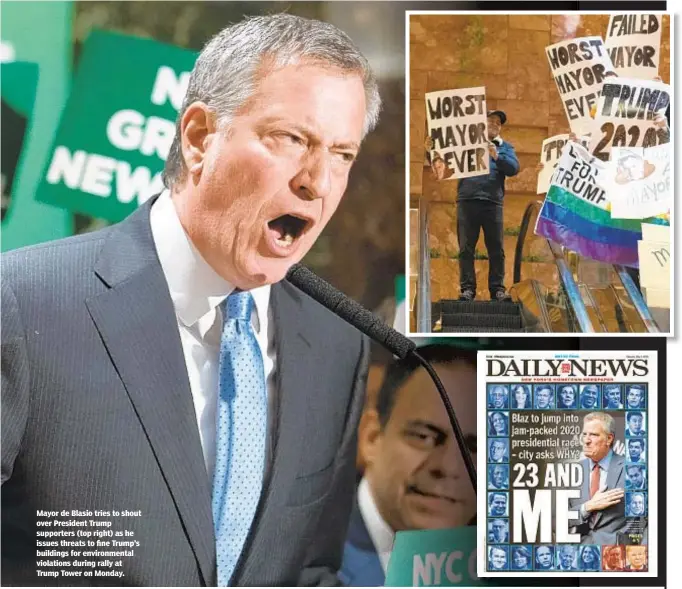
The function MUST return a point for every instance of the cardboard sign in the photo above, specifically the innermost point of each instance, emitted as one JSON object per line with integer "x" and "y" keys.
{"x": 434, "y": 558}
{"x": 657, "y": 298}
{"x": 625, "y": 116}
{"x": 654, "y": 264}
{"x": 458, "y": 126}
{"x": 583, "y": 176}
{"x": 634, "y": 44}
{"x": 579, "y": 67}
{"x": 641, "y": 185}
{"x": 117, "y": 127}
{"x": 651, "y": 232}
{"x": 550, "y": 154}
{"x": 38, "y": 35}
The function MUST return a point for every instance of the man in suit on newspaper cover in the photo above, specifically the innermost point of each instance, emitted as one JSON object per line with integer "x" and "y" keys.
{"x": 601, "y": 505}
{"x": 164, "y": 367}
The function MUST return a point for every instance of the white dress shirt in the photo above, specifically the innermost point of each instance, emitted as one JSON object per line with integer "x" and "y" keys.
{"x": 379, "y": 531}
{"x": 197, "y": 291}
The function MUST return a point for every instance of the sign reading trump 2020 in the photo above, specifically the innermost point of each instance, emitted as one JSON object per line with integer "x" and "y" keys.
{"x": 117, "y": 127}
{"x": 630, "y": 113}
{"x": 567, "y": 481}
{"x": 457, "y": 124}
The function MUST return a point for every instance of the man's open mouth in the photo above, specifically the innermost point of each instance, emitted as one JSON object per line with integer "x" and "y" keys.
{"x": 287, "y": 229}
{"x": 418, "y": 491}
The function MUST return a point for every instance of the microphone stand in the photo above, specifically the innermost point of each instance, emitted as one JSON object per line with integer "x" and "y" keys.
{"x": 394, "y": 341}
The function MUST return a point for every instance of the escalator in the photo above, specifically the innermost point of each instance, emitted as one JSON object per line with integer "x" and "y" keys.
{"x": 554, "y": 290}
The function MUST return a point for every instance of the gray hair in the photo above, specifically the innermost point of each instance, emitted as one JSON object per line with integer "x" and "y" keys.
{"x": 604, "y": 418}
{"x": 225, "y": 73}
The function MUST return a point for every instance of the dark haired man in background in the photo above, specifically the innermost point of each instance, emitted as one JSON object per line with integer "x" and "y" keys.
{"x": 415, "y": 476}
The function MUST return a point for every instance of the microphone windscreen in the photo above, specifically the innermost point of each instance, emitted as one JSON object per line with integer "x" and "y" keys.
{"x": 350, "y": 311}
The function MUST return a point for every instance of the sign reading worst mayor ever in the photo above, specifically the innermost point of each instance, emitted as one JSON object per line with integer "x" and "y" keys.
{"x": 569, "y": 485}
{"x": 626, "y": 115}
{"x": 117, "y": 127}
{"x": 579, "y": 67}
{"x": 458, "y": 126}
{"x": 634, "y": 44}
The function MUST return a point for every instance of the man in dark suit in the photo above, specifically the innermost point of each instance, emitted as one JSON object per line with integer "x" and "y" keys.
{"x": 414, "y": 476}
{"x": 163, "y": 366}
{"x": 600, "y": 507}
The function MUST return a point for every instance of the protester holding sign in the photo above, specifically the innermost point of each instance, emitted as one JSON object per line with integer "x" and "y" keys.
{"x": 456, "y": 122}
{"x": 480, "y": 206}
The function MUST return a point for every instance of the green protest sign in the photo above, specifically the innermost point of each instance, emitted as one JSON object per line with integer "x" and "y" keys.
{"x": 117, "y": 127}
{"x": 434, "y": 558}
{"x": 36, "y": 71}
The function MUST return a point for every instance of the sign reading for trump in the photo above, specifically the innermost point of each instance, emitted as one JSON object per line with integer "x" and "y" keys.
{"x": 118, "y": 126}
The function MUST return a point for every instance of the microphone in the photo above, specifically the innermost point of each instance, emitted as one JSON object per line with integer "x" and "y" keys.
{"x": 373, "y": 327}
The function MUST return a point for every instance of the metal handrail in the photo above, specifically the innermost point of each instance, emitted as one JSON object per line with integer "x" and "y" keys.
{"x": 523, "y": 230}
{"x": 571, "y": 288}
{"x": 424, "y": 277}
{"x": 637, "y": 299}
{"x": 565, "y": 274}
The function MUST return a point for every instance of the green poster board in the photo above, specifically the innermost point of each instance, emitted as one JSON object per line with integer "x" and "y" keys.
{"x": 117, "y": 126}
{"x": 36, "y": 41}
{"x": 434, "y": 558}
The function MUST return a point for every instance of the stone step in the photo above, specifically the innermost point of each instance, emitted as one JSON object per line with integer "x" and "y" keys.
{"x": 482, "y": 320}
{"x": 451, "y": 306}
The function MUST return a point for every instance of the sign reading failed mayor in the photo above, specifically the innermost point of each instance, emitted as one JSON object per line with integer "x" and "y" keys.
{"x": 457, "y": 125}
{"x": 634, "y": 44}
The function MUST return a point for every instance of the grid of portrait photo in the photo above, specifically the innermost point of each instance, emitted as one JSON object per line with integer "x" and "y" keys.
{"x": 537, "y": 430}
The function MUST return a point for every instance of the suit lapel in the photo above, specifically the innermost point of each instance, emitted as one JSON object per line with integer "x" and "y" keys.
{"x": 295, "y": 366}
{"x": 361, "y": 564}
{"x": 612, "y": 479}
{"x": 136, "y": 320}
{"x": 615, "y": 471}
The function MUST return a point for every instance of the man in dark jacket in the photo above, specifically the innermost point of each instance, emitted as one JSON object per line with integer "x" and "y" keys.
{"x": 479, "y": 205}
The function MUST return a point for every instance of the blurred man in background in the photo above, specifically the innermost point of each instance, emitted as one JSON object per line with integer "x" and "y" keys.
{"x": 480, "y": 206}
{"x": 415, "y": 477}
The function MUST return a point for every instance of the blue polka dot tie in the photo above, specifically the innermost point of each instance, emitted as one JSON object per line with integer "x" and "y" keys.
{"x": 240, "y": 434}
